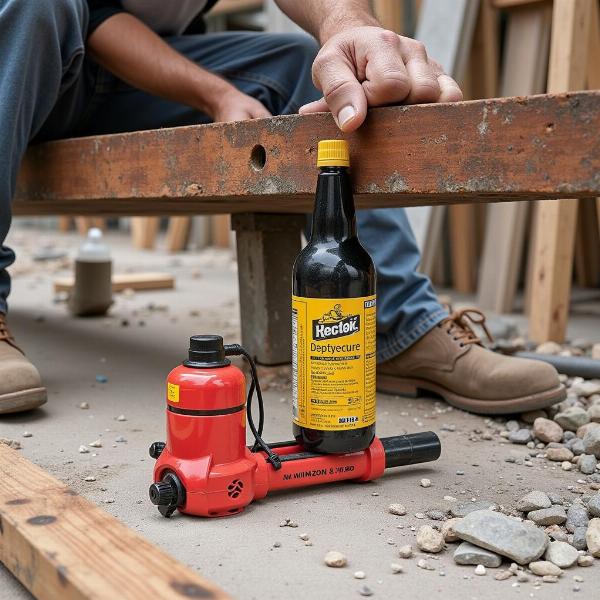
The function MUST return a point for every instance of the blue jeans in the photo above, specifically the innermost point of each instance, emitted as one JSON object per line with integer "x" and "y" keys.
{"x": 50, "y": 89}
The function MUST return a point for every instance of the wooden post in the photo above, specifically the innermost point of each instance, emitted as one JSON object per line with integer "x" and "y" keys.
{"x": 178, "y": 233}
{"x": 556, "y": 222}
{"x": 267, "y": 246}
{"x": 524, "y": 71}
{"x": 143, "y": 232}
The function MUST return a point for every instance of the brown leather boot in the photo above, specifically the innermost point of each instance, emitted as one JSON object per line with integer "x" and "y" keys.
{"x": 451, "y": 362}
{"x": 20, "y": 383}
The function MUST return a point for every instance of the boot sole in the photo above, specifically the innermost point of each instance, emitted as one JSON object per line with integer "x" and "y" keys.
{"x": 412, "y": 388}
{"x": 23, "y": 400}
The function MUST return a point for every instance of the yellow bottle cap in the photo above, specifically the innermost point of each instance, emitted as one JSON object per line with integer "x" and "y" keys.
{"x": 333, "y": 153}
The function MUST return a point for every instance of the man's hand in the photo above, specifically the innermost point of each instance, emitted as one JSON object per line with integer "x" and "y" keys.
{"x": 370, "y": 66}
{"x": 237, "y": 106}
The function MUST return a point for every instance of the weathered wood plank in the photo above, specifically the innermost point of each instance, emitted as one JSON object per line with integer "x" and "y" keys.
{"x": 502, "y": 149}
{"x": 60, "y": 545}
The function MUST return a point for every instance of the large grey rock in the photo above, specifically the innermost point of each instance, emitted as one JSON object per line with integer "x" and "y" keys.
{"x": 555, "y": 515}
{"x": 579, "y": 542}
{"x": 468, "y": 554}
{"x": 592, "y": 537}
{"x": 496, "y": 532}
{"x": 594, "y": 505}
{"x": 584, "y": 429}
{"x": 575, "y": 446}
{"x": 591, "y": 442}
{"x": 576, "y": 517}
{"x": 594, "y": 413}
{"x": 563, "y": 555}
{"x": 572, "y": 418}
{"x": 586, "y": 388}
{"x": 463, "y": 509}
{"x": 534, "y": 501}
{"x": 587, "y": 464}
{"x": 546, "y": 430}
{"x": 559, "y": 454}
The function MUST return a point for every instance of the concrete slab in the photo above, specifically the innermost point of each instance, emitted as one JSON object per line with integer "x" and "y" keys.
{"x": 238, "y": 553}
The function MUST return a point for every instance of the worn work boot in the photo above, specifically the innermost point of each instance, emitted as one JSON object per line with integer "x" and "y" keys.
{"x": 20, "y": 383}
{"x": 451, "y": 362}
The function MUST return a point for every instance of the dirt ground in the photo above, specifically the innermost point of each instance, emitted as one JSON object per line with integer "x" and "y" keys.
{"x": 144, "y": 337}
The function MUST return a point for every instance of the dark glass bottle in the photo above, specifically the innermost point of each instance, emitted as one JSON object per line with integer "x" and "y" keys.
{"x": 334, "y": 266}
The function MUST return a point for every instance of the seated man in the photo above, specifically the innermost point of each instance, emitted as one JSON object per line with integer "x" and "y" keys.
{"x": 77, "y": 67}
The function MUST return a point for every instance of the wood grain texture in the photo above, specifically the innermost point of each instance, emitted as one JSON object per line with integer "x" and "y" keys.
{"x": 144, "y": 231}
{"x": 178, "y": 233}
{"x": 61, "y": 546}
{"x": 556, "y": 222}
{"x": 502, "y": 149}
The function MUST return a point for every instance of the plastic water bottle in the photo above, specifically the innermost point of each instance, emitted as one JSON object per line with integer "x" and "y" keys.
{"x": 92, "y": 292}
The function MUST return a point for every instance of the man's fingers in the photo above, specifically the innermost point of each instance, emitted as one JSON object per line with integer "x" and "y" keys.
{"x": 259, "y": 112}
{"x": 449, "y": 90}
{"x": 387, "y": 80}
{"x": 314, "y": 107}
{"x": 342, "y": 91}
{"x": 424, "y": 82}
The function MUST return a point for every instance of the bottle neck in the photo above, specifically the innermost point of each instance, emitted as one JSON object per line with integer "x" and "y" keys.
{"x": 334, "y": 216}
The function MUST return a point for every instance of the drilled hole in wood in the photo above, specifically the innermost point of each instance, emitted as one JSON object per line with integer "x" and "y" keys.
{"x": 258, "y": 157}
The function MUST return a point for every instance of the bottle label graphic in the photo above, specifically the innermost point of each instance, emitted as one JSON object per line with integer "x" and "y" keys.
{"x": 333, "y": 362}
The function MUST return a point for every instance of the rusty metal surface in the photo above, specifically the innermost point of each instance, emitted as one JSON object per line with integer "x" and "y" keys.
{"x": 503, "y": 149}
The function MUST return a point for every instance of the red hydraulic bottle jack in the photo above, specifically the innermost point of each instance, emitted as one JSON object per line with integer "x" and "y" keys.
{"x": 205, "y": 467}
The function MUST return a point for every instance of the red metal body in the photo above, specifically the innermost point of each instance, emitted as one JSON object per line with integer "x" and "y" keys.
{"x": 206, "y": 448}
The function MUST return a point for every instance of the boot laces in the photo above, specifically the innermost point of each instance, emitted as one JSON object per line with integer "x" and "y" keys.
{"x": 5, "y": 335}
{"x": 460, "y": 326}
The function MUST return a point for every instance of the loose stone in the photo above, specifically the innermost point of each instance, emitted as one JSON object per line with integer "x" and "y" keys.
{"x": 502, "y": 575}
{"x": 561, "y": 554}
{"x": 304, "y": 537}
{"x": 592, "y": 537}
{"x": 448, "y": 531}
{"x": 594, "y": 505}
{"x": 397, "y": 509}
{"x": 359, "y": 575}
{"x": 89, "y": 478}
{"x": 335, "y": 559}
{"x": 587, "y": 464}
{"x": 579, "y": 542}
{"x": 95, "y": 444}
{"x": 503, "y": 535}
{"x": 585, "y": 560}
{"x": 555, "y": 515}
{"x": 535, "y": 500}
{"x": 576, "y": 517}
{"x": 591, "y": 442}
{"x": 430, "y": 540}
{"x": 468, "y": 554}
{"x": 27, "y": 434}
{"x": 522, "y": 577}
{"x": 550, "y": 579}
{"x": 572, "y": 418}
{"x": 423, "y": 564}
{"x": 405, "y": 551}
{"x": 546, "y": 430}
{"x": 83, "y": 450}
{"x": 365, "y": 590}
{"x": 558, "y": 454}
{"x": 521, "y": 436}
{"x": 566, "y": 466}
{"x": 425, "y": 483}
{"x": 480, "y": 570}
{"x": 544, "y": 567}
{"x": 396, "y": 568}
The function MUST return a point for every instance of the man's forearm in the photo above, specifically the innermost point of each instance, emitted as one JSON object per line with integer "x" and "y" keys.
{"x": 324, "y": 18}
{"x": 125, "y": 46}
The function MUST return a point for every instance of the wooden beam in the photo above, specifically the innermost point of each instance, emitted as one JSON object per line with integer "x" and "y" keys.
{"x": 124, "y": 281}
{"x": 489, "y": 150}
{"x": 556, "y": 222}
{"x": 514, "y": 3}
{"x": 60, "y": 545}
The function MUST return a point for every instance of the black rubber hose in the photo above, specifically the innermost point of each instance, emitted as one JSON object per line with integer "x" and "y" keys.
{"x": 411, "y": 449}
{"x": 573, "y": 366}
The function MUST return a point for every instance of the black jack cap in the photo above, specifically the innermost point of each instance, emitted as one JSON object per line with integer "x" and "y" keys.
{"x": 206, "y": 351}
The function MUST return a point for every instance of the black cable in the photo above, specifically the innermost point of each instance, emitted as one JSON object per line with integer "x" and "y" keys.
{"x": 274, "y": 459}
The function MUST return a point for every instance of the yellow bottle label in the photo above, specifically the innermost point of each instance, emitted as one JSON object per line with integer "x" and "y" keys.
{"x": 333, "y": 359}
